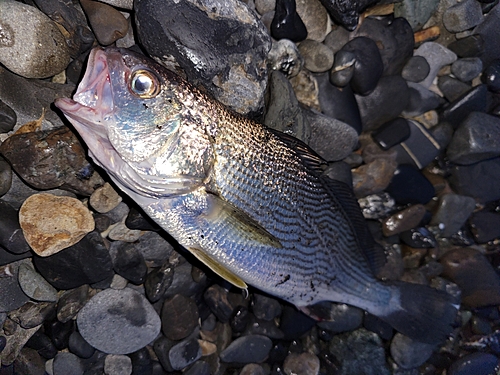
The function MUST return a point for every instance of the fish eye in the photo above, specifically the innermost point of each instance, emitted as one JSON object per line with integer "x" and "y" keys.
{"x": 144, "y": 84}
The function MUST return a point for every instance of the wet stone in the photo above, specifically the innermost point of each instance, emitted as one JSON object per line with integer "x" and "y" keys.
{"x": 373, "y": 177}
{"x": 59, "y": 332}
{"x": 295, "y": 323}
{"x": 318, "y": 57}
{"x": 70, "y": 303}
{"x": 247, "y": 349}
{"x": 474, "y": 364}
{"x": 419, "y": 238}
{"x": 34, "y": 285}
{"x": 346, "y": 14}
{"x": 416, "y": 69}
{"x": 11, "y": 234}
{"x": 8, "y": 118}
{"x": 475, "y": 276}
{"x": 409, "y": 185}
{"x": 437, "y": 56}
{"x": 485, "y": 226}
{"x": 284, "y": 56}
{"x": 51, "y": 223}
{"x": 12, "y": 296}
{"x": 474, "y": 100}
{"x": 42, "y": 344}
{"x": 304, "y": 363}
{"x": 343, "y": 68}
{"x": 179, "y": 316}
{"x": 408, "y": 353}
{"x": 264, "y": 307}
{"x": 115, "y": 364}
{"x": 67, "y": 364}
{"x": 467, "y": 69}
{"x": 184, "y": 353}
{"x": 337, "y": 38}
{"x": 216, "y": 298}
{"x": 127, "y": 321}
{"x": 128, "y": 262}
{"x": 78, "y": 346}
{"x": 286, "y": 23}
{"x": 107, "y": 22}
{"x": 263, "y": 327}
{"x": 392, "y": 133}
{"x": 158, "y": 281}
{"x": 376, "y": 206}
{"x": 491, "y": 76}
{"x": 403, "y": 220}
{"x": 452, "y": 88}
{"x": 136, "y": 220}
{"x": 463, "y": 16}
{"x": 452, "y": 213}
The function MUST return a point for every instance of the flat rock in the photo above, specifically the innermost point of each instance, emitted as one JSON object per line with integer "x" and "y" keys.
{"x": 452, "y": 213}
{"x": 247, "y": 349}
{"x": 437, "y": 56}
{"x": 104, "y": 198}
{"x": 51, "y": 223}
{"x": 34, "y": 285}
{"x": 108, "y": 23}
{"x": 126, "y": 321}
{"x": 463, "y": 16}
{"x": 408, "y": 353}
{"x": 67, "y": 364}
{"x": 179, "y": 317}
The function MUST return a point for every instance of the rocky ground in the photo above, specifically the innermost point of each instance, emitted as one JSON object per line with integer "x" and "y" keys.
{"x": 402, "y": 99}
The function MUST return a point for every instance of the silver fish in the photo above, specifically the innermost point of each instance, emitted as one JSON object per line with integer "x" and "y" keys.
{"x": 249, "y": 202}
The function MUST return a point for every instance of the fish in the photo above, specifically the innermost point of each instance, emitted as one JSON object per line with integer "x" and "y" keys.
{"x": 249, "y": 202}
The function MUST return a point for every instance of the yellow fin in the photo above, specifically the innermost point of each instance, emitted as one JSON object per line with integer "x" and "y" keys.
{"x": 218, "y": 268}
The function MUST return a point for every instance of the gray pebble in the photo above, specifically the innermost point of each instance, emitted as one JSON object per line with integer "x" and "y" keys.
{"x": 467, "y": 69}
{"x": 247, "y": 349}
{"x": 5, "y": 176}
{"x": 116, "y": 364}
{"x": 8, "y": 118}
{"x": 199, "y": 368}
{"x": 452, "y": 88}
{"x": 437, "y": 56}
{"x": 318, "y": 57}
{"x": 67, "y": 364}
{"x": 408, "y": 353}
{"x": 416, "y": 69}
{"x": 154, "y": 248}
{"x": 34, "y": 285}
{"x": 118, "y": 321}
{"x": 285, "y": 57}
{"x": 264, "y": 6}
{"x": 343, "y": 68}
{"x": 125, "y": 4}
{"x": 31, "y": 44}
{"x": 342, "y": 318}
{"x": 265, "y": 307}
{"x": 184, "y": 353}
{"x": 452, "y": 213}
{"x": 463, "y": 16}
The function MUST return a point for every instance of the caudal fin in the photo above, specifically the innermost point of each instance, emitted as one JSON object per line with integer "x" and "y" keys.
{"x": 424, "y": 314}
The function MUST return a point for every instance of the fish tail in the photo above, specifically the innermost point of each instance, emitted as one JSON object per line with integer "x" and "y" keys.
{"x": 420, "y": 312}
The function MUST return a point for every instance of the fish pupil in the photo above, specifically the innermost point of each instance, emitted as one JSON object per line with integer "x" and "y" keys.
{"x": 144, "y": 84}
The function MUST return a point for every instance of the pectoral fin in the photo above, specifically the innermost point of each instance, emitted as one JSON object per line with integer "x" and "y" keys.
{"x": 218, "y": 268}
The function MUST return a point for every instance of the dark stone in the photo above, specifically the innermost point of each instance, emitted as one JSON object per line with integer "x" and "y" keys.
{"x": 381, "y": 328}
{"x": 136, "y": 220}
{"x": 6, "y": 257}
{"x": 184, "y": 353}
{"x": 211, "y": 50}
{"x": 78, "y": 36}
{"x": 295, "y": 323}
{"x": 12, "y": 296}
{"x": 67, "y": 364}
{"x": 368, "y": 65}
{"x": 286, "y": 23}
{"x": 340, "y": 317}
{"x": 199, "y": 368}
{"x": 394, "y": 40}
{"x": 416, "y": 69}
{"x": 3, "y": 342}
{"x": 266, "y": 328}
{"x": 179, "y": 317}
{"x": 474, "y": 364}
{"x": 385, "y": 103}
{"x": 491, "y": 76}
{"x": 161, "y": 348}
{"x": 241, "y": 318}
{"x": 265, "y": 307}
{"x": 489, "y": 30}
{"x": 419, "y": 238}
{"x": 470, "y": 46}
{"x": 462, "y": 16}
{"x": 59, "y": 332}
{"x": 442, "y": 134}
{"x": 475, "y": 100}
{"x": 128, "y": 262}
{"x": 408, "y": 353}
{"x": 346, "y": 12}
{"x": 485, "y": 226}
{"x": 108, "y": 23}
{"x": 42, "y": 344}
{"x": 11, "y": 234}
{"x": 155, "y": 249}
{"x": 452, "y": 88}
{"x": 86, "y": 262}
{"x": 70, "y": 302}
{"x": 32, "y": 314}
{"x": 409, "y": 185}
{"x": 216, "y": 298}
{"x": 141, "y": 362}
{"x": 247, "y": 349}
{"x": 343, "y": 68}
{"x": 8, "y": 118}
{"x": 51, "y": 159}
{"x": 467, "y": 68}
{"x": 5, "y": 176}
{"x": 420, "y": 100}
{"x": 158, "y": 281}
{"x": 77, "y": 345}
{"x": 338, "y": 103}
{"x": 478, "y": 180}
{"x": 29, "y": 362}
{"x": 391, "y": 133}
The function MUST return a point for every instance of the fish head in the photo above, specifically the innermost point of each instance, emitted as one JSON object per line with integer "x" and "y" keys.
{"x": 126, "y": 110}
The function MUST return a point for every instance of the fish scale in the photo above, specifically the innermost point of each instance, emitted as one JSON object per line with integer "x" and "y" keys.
{"x": 249, "y": 202}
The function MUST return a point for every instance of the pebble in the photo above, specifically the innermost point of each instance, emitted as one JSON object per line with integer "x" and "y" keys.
{"x": 127, "y": 321}
{"x": 128, "y": 262}
{"x": 70, "y": 303}
{"x": 31, "y": 44}
{"x": 452, "y": 88}
{"x": 12, "y": 296}
{"x": 51, "y": 223}
{"x": 376, "y": 206}
{"x": 485, "y": 226}
{"x": 408, "y": 353}
{"x": 247, "y": 349}
{"x": 346, "y": 14}
{"x": 86, "y": 262}
{"x": 337, "y": 38}
{"x": 474, "y": 275}
{"x": 15, "y": 342}
{"x": 417, "y": 14}
{"x": 34, "y": 285}
{"x": 392, "y": 133}
{"x": 419, "y": 238}
{"x": 217, "y": 300}
{"x": 452, "y": 212}
{"x": 67, "y": 364}
{"x": 437, "y": 56}
{"x": 420, "y": 101}
{"x": 463, "y": 16}
{"x": 11, "y": 235}
{"x": 265, "y": 308}
{"x": 491, "y": 76}
{"x": 158, "y": 281}
{"x": 403, "y": 220}
{"x": 467, "y": 68}
{"x": 295, "y": 323}
{"x": 125, "y": 4}
{"x": 78, "y": 346}
{"x": 318, "y": 57}
{"x": 29, "y": 362}
{"x": 409, "y": 185}
{"x": 179, "y": 317}
{"x": 252, "y": 369}
{"x": 32, "y": 314}
{"x": 306, "y": 89}
{"x": 286, "y": 23}
{"x": 284, "y": 56}
{"x": 477, "y": 138}
{"x": 42, "y": 344}
{"x": 343, "y": 68}
{"x": 416, "y": 69}
{"x": 8, "y": 118}
{"x": 104, "y": 198}
{"x": 341, "y": 317}
{"x": 373, "y": 177}
{"x": 108, "y": 23}
{"x": 465, "y": 180}
{"x": 116, "y": 364}
{"x": 303, "y": 363}
{"x": 474, "y": 100}
{"x": 475, "y": 364}
{"x": 469, "y": 46}
{"x": 184, "y": 353}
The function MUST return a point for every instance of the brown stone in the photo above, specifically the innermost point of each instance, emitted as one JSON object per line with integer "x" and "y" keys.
{"x": 403, "y": 220}
{"x": 51, "y": 223}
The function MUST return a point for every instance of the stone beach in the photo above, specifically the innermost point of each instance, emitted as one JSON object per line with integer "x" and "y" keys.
{"x": 401, "y": 98}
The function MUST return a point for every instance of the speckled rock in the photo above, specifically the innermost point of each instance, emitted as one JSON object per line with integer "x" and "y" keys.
{"x": 115, "y": 364}
{"x": 315, "y": 18}
{"x": 104, "y": 198}
{"x": 463, "y": 16}
{"x": 284, "y": 56}
{"x": 31, "y": 45}
{"x": 34, "y": 285}
{"x": 304, "y": 363}
{"x": 403, "y": 220}
{"x": 408, "y": 353}
{"x": 318, "y": 57}
{"x": 52, "y": 223}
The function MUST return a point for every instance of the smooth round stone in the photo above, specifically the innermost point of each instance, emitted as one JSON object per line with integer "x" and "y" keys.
{"x": 318, "y": 57}
{"x": 5, "y": 176}
{"x": 409, "y": 185}
{"x": 467, "y": 69}
{"x": 485, "y": 226}
{"x": 34, "y": 285}
{"x": 252, "y": 369}
{"x": 51, "y": 223}
{"x": 216, "y": 299}
{"x": 392, "y": 133}
{"x": 368, "y": 65}
{"x": 295, "y": 323}
{"x": 417, "y": 14}
{"x": 77, "y": 345}
{"x": 184, "y": 353}
{"x": 107, "y": 22}
{"x": 286, "y": 23}
{"x": 265, "y": 307}
{"x": 452, "y": 88}
{"x": 474, "y": 100}
{"x": 264, "y": 6}
{"x": 337, "y": 38}
{"x": 491, "y": 76}
{"x": 420, "y": 100}
{"x": 115, "y": 364}
{"x": 158, "y": 281}
{"x": 403, "y": 220}
{"x": 463, "y": 16}
{"x": 247, "y": 349}
{"x": 416, "y": 69}
{"x": 343, "y": 68}
{"x": 67, "y": 364}
{"x": 315, "y": 18}
{"x": 452, "y": 213}
{"x": 437, "y": 56}
{"x": 127, "y": 321}
{"x": 8, "y": 118}
{"x": 128, "y": 262}
{"x": 341, "y": 317}
{"x": 408, "y": 353}
{"x": 475, "y": 364}
{"x": 31, "y": 44}
{"x": 104, "y": 198}
{"x": 304, "y": 363}
{"x": 179, "y": 316}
